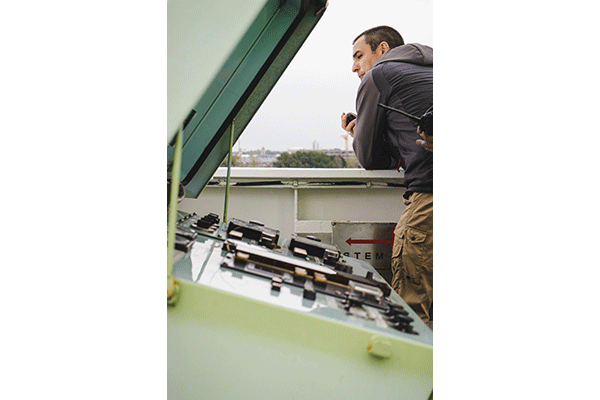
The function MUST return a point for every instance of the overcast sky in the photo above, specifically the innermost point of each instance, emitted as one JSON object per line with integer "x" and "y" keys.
{"x": 306, "y": 104}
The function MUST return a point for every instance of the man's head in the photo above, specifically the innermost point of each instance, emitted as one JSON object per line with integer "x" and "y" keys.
{"x": 371, "y": 45}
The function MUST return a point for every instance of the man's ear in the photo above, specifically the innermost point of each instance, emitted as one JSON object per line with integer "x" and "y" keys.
{"x": 384, "y": 47}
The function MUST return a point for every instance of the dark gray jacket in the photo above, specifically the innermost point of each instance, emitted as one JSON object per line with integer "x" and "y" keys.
{"x": 403, "y": 79}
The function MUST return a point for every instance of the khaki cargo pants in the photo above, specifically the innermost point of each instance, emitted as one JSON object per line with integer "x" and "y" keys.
{"x": 412, "y": 254}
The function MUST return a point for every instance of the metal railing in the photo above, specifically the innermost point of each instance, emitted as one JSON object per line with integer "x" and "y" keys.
{"x": 303, "y": 200}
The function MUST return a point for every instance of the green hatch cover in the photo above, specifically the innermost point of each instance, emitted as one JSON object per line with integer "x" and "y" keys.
{"x": 216, "y": 75}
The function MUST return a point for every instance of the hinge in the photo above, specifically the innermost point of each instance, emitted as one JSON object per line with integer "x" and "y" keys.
{"x": 172, "y": 290}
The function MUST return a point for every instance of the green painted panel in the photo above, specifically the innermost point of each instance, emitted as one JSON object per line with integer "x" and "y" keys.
{"x": 225, "y": 346}
{"x": 231, "y": 336}
{"x": 241, "y": 86}
{"x": 201, "y": 37}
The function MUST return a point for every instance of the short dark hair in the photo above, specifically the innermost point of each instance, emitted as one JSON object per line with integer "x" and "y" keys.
{"x": 379, "y": 34}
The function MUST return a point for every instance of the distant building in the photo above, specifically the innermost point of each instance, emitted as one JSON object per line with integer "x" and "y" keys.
{"x": 339, "y": 152}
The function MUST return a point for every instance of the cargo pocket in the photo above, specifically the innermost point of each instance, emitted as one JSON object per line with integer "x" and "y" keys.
{"x": 413, "y": 249}
{"x": 397, "y": 247}
{"x": 397, "y": 259}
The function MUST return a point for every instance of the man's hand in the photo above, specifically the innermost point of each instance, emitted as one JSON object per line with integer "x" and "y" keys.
{"x": 427, "y": 141}
{"x": 348, "y": 127}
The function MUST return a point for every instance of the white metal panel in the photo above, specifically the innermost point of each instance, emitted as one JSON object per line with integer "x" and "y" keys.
{"x": 318, "y": 203}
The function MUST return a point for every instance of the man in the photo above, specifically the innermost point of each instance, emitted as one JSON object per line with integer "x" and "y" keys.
{"x": 399, "y": 75}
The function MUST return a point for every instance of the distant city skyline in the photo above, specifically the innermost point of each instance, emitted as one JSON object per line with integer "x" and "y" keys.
{"x": 316, "y": 146}
{"x": 265, "y": 158}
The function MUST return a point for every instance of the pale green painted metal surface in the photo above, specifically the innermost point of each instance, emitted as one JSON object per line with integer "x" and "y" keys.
{"x": 198, "y": 48}
{"x": 226, "y": 346}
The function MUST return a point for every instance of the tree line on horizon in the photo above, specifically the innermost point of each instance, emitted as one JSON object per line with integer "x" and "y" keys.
{"x": 304, "y": 159}
{"x": 309, "y": 159}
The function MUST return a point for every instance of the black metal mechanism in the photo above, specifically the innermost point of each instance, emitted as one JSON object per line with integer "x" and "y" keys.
{"x": 184, "y": 239}
{"x": 330, "y": 254}
{"x": 185, "y": 236}
{"x": 306, "y": 268}
{"x": 253, "y": 231}
{"x": 304, "y": 262}
{"x": 206, "y": 222}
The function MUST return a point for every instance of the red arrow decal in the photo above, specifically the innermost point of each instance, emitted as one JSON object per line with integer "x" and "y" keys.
{"x": 351, "y": 241}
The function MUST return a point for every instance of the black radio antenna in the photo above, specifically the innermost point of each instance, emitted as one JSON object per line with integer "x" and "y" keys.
{"x": 418, "y": 119}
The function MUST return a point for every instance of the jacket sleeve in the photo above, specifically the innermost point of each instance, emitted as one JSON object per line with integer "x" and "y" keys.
{"x": 369, "y": 130}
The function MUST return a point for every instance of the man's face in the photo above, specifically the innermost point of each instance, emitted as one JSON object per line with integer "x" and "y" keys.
{"x": 364, "y": 58}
